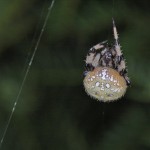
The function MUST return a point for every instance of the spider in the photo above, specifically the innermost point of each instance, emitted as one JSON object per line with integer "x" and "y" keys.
{"x": 106, "y": 76}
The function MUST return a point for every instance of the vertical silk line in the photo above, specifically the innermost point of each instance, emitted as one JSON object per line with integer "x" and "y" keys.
{"x": 113, "y": 5}
{"x": 27, "y": 71}
{"x": 112, "y": 14}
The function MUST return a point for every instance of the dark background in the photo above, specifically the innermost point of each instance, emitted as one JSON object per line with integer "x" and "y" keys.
{"x": 53, "y": 111}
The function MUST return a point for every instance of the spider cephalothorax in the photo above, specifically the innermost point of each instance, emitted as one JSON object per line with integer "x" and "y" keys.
{"x": 106, "y": 74}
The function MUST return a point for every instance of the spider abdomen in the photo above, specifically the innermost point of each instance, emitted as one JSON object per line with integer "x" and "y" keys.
{"x": 105, "y": 84}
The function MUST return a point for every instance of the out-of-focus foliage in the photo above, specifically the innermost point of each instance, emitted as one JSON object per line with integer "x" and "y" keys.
{"x": 53, "y": 111}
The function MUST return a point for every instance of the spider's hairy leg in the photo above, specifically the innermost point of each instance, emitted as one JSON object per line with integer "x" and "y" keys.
{"x": 93, "y": 56}
{"x": 98, "y": 46}
{"x": 115, "y": 32}
{"x": 119, "y": 58}
{"x": 119, "y": 55}
{"x": 117, "y": 45}
{"x": 92, "y": 60}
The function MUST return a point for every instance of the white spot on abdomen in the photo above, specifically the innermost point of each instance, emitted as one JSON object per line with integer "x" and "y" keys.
{"x": 104, "y": 74}
{"x": 108, "y": 85}
{"x": 97, "y": 84}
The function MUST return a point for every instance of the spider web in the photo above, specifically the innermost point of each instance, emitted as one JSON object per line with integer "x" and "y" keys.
{"x": 27, "y": 71}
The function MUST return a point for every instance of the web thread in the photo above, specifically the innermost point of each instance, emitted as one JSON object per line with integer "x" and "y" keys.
{"x": 26, "y": 72}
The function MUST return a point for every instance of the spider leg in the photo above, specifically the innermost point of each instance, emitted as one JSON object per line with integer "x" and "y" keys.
{"x": 117, "y": 45}
{"x": 115, "y": 33}
{"x": 98, "y": 46}
{"x": 94, "y": 56}
{"x": 119, "y": 58}
{"x": 119, "y": 55}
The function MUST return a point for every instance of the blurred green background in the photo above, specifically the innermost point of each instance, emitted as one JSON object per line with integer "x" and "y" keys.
{"x": 54, "y": 112}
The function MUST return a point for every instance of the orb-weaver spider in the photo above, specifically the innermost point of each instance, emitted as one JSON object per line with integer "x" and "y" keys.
{"x": 106, "y": 76}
